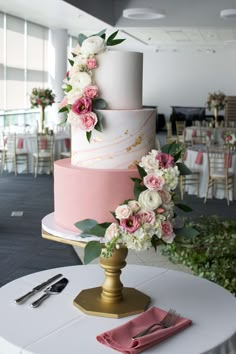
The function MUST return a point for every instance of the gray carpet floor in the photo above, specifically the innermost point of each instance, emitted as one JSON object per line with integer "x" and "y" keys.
{"x": 22, "y": 249}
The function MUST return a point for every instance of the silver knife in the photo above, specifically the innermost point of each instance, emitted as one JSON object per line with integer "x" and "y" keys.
{"x": 53, "y": 289}
{"x": 37, "y": 288}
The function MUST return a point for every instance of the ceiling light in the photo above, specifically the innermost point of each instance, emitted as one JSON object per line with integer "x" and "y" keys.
{"x": 143, "y": 14}
{"x": 228, "y": 13}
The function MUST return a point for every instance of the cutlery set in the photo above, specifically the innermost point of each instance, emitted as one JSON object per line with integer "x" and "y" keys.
{"x": 53, "y": 289}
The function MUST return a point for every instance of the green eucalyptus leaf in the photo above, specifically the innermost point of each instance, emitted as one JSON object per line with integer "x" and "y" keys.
{"x": 141, "y": 171}
{"x": 63, "y": 109}
{"x": 99, "y": 103}
{"x": 184, "y": 207}
{"x": 81, "y": 38}
{"x": 99, "y": 230}
{"x": 71, "y": 62}
{"x": 92, "y": 251}
{"x": 183, "y": 169}
{"x": 115, "y": 42}
{"x": 86, "y": 224}
{"x": 88, "y": 135}
{"x": 186, "y": 233}
{"x": 99, "y": 125}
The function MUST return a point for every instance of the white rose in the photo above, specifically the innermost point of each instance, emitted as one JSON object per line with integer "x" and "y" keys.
{"x": 149, "y": 163}
{"x": 80, "y": 80}
{"x": 149, "y": 200}
{"x": 73, "y": 96}
{"x": 112, "y": 231}
{"x": 92, "y": 45}
{"x": 123, "y": 211}
{"x": 134, "y": 205}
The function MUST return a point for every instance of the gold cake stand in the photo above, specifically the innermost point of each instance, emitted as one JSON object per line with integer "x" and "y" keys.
{"x": 111, "y": 299}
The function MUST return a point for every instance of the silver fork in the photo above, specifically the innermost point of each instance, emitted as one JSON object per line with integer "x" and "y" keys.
{"x": 170, "y": 319}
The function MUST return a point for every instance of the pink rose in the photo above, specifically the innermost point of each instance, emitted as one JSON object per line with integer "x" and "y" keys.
{"x": 228, "y": 138}
{"x": 82, "y": 105}
{"x": 91, "y": 63}
{"x": 87, "y": 121}
{"x": 112, "y": 231}
{"x": 91, "y": 91}
{"x": 123, "y": 211}
{"x": 147, "y": 217}
{"x": 153, "y": 182}
{"x": 131, "y": 224}
{"x": 165, "y": 160}
{"x": 167, "y": 229}
{"x": 63, "y": 103}
{"x": 165, "y": 196}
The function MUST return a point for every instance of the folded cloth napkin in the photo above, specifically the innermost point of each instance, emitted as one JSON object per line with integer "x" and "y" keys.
{"x": 120, "y": 338}
{"x": 20, "y": 143}
{"x": 228, "y": 160}
{"x": 43, "y": 144}
{"x": 199, "y": 158}
{"x": 194, "y": 133}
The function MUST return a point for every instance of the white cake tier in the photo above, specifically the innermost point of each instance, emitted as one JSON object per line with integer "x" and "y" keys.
{"x": 126, "y": 137}
{"x": 119, "y": 77}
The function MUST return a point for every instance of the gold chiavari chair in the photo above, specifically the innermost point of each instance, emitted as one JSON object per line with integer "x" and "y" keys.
{"x": 219, "y": 161}
{"x": 15, "y": 153}
{"x": 170, "y": 138}
{"x": 180, "y": 128}
{"x": 44, "y": 156}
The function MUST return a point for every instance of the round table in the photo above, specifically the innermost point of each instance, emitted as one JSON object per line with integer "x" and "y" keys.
{"x": 215, "y": 134}
{"x": 58, "y": 327}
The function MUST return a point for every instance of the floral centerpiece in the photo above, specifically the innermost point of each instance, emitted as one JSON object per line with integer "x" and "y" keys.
{"x": 229, "y": 138}
{"x": 215, "y": 102}
{"x": 150, "y": 218}
{"x": 82, "y": 99}
{"x": 42, "y": 98}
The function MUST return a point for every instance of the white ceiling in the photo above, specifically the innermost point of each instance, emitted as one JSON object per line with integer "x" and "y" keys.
{"x": 189, "y": 23}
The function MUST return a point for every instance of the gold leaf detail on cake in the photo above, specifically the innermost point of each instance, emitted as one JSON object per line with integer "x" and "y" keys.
{"x": 137, "y": 142}
{"x": 133, "y": 164}
{"x": 126, "y": 132}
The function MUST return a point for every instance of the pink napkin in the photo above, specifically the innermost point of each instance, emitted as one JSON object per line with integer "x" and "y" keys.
{"x": 228, "y": 160}
{"x": 199, "y": 158}
{"x": 208, "y": 133}
{"x": 120, "y": 338}
{"x": 43, "y": 144}
{"x": 185, "y": 155}
{"x": 20, "y": 143}
{"x": 194, "y": 133}
{"x": 67, "y": 143}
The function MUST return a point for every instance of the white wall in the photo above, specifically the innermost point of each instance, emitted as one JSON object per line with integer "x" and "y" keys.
{"x": 184, "y": 78}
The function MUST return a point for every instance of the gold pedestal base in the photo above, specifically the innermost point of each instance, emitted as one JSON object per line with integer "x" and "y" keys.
{"x": 91, "y": 302}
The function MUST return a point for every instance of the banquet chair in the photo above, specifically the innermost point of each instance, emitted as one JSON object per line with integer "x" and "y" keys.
{"x": 219, "y": 161}
{"x": 180, "y": 127}
{"x": 15, "y": 153}
{"x": 189, "y": 180}
{"x": 170, "y": 138}
{"x": 43, "y": 158}
{"x": 67, "y": 149}
{"x": 200, "y": 139}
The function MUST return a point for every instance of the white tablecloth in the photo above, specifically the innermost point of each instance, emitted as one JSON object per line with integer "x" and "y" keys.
{"x": 58, "y": 327}
{"x": 30, "y": 146}
{"x": 190, "y": 161}
{"x": 216, "y": 134}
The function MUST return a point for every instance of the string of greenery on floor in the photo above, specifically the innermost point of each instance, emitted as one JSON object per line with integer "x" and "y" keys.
{"x": 211, "y": 254}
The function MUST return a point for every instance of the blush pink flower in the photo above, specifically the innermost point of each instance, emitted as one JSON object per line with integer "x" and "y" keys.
{"x": 91, "y": 91}
{"x": 167, "y": 229}
{"x": 147, "y": 217}
{"x": 131, "y": 224}
{"x": 63, "y": 103}
{"x": 91, "y": 63}
{"x": 112, "y": 231}
{"x": 82, "y": 105}
{"x": 123, "y": 211}
{"x": 165, "y": 196}
{"x": 165, "y": 160}
{"x": 154, "y": 182}
{"x": 87, "y": 121}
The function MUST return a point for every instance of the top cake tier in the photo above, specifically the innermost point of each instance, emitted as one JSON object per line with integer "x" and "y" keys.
{"x": 119, "y": 77}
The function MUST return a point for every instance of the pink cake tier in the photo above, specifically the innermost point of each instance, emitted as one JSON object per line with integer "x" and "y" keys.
{"x": 83, "y": 193}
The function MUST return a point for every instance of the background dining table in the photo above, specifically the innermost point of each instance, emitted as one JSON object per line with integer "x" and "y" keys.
{"x": 215, "y": 135}
{"x": 59, "y": 327}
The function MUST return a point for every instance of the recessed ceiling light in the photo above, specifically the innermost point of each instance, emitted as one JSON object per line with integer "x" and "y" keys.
{"x": 143, "y": 14}
{"x": 228, "y": 13}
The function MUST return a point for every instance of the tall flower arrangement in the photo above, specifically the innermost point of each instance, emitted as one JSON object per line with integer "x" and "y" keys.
{"x": 42, "y": 98}
{"x": 215, "y": 102}
{"x": 149, "y": 219}
{"x": 82, "y": 99}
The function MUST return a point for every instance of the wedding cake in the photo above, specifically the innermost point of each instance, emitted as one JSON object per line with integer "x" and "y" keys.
{"x": 110, "y": 132}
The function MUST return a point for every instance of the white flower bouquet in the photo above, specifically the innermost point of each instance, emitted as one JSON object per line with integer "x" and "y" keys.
{"x": 148, "y": 219}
